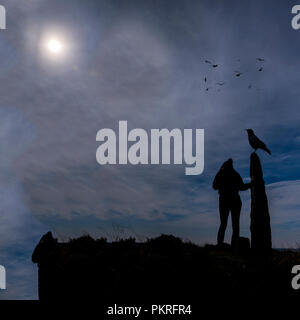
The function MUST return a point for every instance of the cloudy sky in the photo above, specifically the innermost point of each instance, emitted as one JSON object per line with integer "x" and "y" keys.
{"x": 144, "y": 62}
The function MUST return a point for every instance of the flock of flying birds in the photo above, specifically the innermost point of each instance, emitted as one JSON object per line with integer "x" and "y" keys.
{"x": 236, "y": 72}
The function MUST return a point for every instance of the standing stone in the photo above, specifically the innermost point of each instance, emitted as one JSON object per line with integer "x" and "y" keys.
{"x": 260, "y": 217}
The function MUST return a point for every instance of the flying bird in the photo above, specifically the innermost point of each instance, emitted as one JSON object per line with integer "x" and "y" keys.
{"x": 205, "y": 79}
{"x": 255, "y": 142}
{"x": 220, "y": 83}
{"x": 237, "y": 73}
{"x": 215, "y": 65}
{"x": 260, "y": 59}
{"x": 207, "y": 61}
{"x": 250, "y": 86}
{"x": 260, "y": 69}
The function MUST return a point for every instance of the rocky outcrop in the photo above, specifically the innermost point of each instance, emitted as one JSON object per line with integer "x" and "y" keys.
{"x": 260, "y": 217}
{"x": 93, "y": 270}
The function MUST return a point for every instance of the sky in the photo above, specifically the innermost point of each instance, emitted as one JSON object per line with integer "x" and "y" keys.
{"x": 144, "y": 62}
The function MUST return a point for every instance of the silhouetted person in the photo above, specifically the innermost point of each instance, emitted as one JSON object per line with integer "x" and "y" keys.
{"x": 228, "y": 182}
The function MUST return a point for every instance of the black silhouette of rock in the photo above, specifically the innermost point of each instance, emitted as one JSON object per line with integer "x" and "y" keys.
{"x": 242, "y": 246}
{"x": 46, "y": 256}
{"x": 163, "y": 268}
{"x": 260, "y": 217}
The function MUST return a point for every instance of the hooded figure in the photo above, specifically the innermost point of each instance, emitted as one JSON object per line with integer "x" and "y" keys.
{"x": 228, "y": 182}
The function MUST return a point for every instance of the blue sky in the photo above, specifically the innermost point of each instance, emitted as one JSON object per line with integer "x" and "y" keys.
{"x": 140, "y": 61}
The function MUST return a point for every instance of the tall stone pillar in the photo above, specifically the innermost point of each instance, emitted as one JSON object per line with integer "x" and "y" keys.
{"x": 260, "y": 217}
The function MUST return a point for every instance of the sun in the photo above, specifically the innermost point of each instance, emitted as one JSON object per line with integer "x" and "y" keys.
{"x": 54, "y": 46}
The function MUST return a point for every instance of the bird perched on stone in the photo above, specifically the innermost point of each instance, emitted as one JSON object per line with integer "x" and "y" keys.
{"x": 255, "y": 142}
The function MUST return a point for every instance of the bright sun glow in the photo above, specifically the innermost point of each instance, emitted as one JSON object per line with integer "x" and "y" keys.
{"x": 54, "y": 46}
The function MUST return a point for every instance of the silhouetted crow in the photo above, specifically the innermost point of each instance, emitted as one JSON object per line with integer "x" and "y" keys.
{"x": 207, "y": 61}
{"x": 256, "y": 143}
{"x": 220, "y": 83}
{"x": 260, "y": 69}
{"x": 215, "y": 65}
{"x": 260, "y": 59}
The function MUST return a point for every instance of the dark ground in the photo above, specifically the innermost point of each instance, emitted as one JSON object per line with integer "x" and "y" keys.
{"x": 161, "y": 269}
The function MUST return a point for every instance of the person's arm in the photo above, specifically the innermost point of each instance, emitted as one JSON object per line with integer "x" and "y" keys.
{"x": 243, "y": 186}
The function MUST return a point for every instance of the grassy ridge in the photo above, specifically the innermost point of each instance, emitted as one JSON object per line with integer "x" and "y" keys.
{"x": 161, "y": 268}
